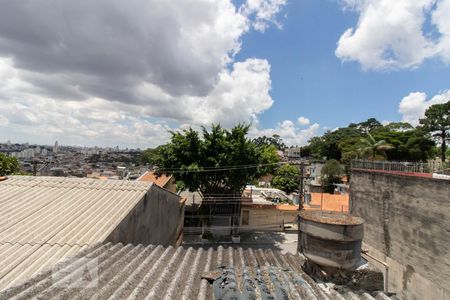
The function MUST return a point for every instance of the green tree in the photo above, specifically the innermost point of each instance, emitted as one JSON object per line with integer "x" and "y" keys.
{"x": 274, "y": 140}
{"x": 149, "y": 155}
{"x": 373, "y": 148}
{"x": 369, "y": 125}
{"x": 8, "y": 165}
{"x": 220, "y": 161}
{"x": 437, "y": 122}
{"x": 268, "y": 157}
{"x": 316, "y": 146}
{"x": 331, "y": 173}
{"x": 398, "y": 126}
{"x": 286, "y": 178}
{"x": 351, "y": 142}
{"x": 412, "y": 144}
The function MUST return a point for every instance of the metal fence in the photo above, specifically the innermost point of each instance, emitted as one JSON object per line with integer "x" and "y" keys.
{"x": 403, "y": 167}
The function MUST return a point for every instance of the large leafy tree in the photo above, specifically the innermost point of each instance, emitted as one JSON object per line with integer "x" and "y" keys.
{"x": 149, "y": 155}
{"x": 347, "y": 143}
{"x": 333, "y": 139}
{"x": 274, "y": 140}
{"x": 286, "y": 178}
{"x": 331, "y": 173}
{"x": 397, "y": 127}
{"x": 370, "y": 139}
{"x": 437, "y": 122}
{"x": 316, "y": 146}
{"x": 408, "y": 143}
{"x": 8, "y": 165}
{"x": 217, "y": 161}
{"x": 367, "y": 126}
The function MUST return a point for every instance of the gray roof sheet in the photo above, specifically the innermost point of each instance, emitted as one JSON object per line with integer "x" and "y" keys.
{"x": 43, "y": 219}
{"x": 119, "y": 271}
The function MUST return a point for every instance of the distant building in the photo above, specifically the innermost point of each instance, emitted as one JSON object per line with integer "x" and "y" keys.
{"x": 24, "y": 154}
{"x": 58, "y": 171}
{"x": 341, "y": 188}
{"x": 266, "y": 209}
{"x": 121, "y": 172}
{"x": 265, "y": 181}
{"x": 165, "y": 181}
{"x": 313, "y": 181}
{"x": 258, "y": 195}
{"x": 292, "y": 154}
{"x": 259, "y": 217}
{"x": 328, "y": 202}
{"x": 55, "y": 147}
{"x": 44, "y": 152}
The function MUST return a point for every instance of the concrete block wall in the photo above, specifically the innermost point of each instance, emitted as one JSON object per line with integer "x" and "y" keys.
{"x": 157, "y": 219}
{"x": 408, "y": 227}
{"x": 268, "y": 219}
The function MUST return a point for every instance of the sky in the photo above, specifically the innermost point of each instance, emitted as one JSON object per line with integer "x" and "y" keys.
{"x": 126, "y": 73}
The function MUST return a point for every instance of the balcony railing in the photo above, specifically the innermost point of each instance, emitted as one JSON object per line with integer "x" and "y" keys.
{"x": 402, "y": 167}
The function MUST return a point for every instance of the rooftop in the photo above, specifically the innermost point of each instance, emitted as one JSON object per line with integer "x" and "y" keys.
{"x": 329, "y": 202}
{"x": 43, "y": 219}
{"x": 150, "y": 176}
{"x": 281, "y": 207}
{"x": 138, "y": 272}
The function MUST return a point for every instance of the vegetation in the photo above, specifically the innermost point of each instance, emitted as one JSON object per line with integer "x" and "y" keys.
{"x": 218, "y": 161}
{"x": 287, "y": 178}
{"x": 331, "y": 173}
{"x": 371, "y": 140}
{"x": 275, "y": 140}
{"x": 374, "y": 148}
{"x": 149, "y": 155}
{"x": 437, "y": 122}
{"x": 8, "y": 165}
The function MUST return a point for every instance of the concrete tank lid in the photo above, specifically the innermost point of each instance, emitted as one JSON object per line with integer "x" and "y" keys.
{"x": 330, "y": 217}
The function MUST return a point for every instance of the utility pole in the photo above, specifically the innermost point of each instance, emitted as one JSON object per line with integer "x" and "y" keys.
{"x": 301, "y": 196}
{"x": 35, "y": 168}
{"x": 301, "y": 193}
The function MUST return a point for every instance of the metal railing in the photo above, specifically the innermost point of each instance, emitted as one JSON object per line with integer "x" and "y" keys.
{"x": 403, "y": 167}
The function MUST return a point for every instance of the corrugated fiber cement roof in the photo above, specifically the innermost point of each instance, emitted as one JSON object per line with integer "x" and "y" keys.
{"x": 43, "y": 219}
{"x": 115, "y": 271}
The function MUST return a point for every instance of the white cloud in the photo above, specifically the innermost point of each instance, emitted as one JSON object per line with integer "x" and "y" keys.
{"x": 262, "y": 13}
{"x": 413, "y": 106}
{"x": 390, "y": 34}
{"x": 303, "y": 121}
{"x": 115, "y": 72}
{"x": 240, "y": 95}
{"x": 291, "y": 134}
{"x": 441, "y": 18}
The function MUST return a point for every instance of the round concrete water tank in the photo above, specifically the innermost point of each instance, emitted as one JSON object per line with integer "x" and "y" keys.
{"x": 331, "y": 239}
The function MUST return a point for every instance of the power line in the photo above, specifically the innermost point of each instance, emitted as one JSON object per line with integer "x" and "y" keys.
{"x": 230, "y": 166}
{"x": 216, "y": 169}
